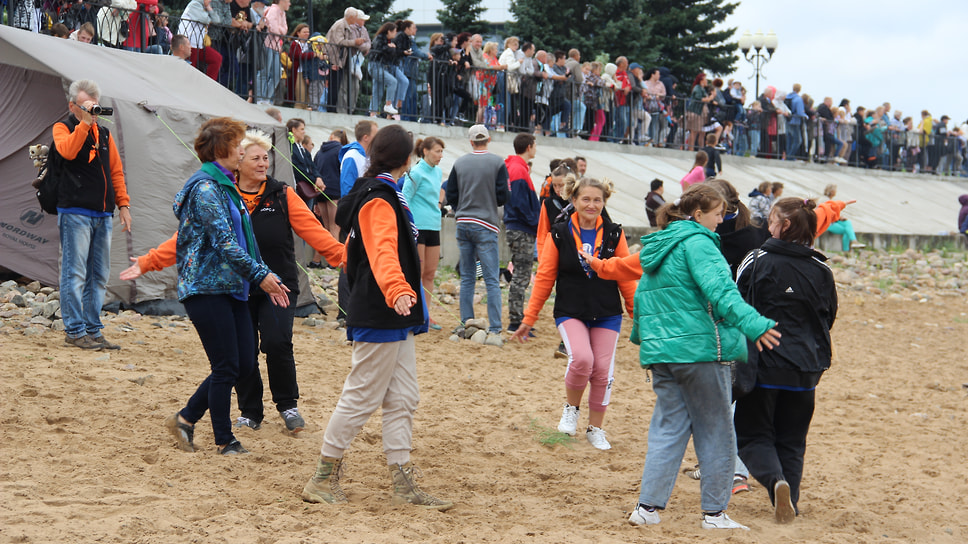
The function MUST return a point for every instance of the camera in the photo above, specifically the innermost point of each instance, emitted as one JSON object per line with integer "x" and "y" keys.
{"x": 98, "y": 109}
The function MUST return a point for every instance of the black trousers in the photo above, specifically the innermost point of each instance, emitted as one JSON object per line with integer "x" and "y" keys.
{"x": 272, "y": 327}
{"x": 771, "y": 435}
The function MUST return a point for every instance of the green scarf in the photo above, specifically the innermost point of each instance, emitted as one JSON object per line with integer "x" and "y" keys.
{"x": 233, "y": 194}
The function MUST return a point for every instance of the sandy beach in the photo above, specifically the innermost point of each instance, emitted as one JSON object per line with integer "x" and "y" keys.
{"x": 86, "y": 457}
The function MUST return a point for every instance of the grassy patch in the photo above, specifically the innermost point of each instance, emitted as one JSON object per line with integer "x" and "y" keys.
{"x": 549, "y": 437}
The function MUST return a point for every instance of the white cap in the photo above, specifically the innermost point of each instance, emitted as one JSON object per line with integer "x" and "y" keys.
{"x": 477, "y": 133}
{"x": 362, "y": 16}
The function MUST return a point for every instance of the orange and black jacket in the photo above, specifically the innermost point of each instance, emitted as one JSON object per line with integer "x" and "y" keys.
{"x": 90, "y": 175}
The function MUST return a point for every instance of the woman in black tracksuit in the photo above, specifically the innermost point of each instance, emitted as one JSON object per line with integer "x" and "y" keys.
{"x": 788, "y": 281}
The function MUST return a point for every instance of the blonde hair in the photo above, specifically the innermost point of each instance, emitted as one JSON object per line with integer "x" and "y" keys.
{"x": 490, "y": 48}
{"x": 574, "y": 186}
{"x": 830, "y": 190}
{"x": 256, "y": 137}
{"x": 512, "y": 40}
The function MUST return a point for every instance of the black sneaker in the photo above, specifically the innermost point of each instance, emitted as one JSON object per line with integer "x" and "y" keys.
{"x": 248, "y": 422}
{"x": 83, "y": 342}
{"x": 184, "y": 433}
{"x": 561, "y": 352}
{"x": 314, "y": 264}
{"x": 232, "y": 448}
{"x": 294, "y": 421}
{"x": 100, "y": 339}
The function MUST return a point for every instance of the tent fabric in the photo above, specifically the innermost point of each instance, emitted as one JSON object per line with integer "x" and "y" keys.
{"x": 150, "y": 93}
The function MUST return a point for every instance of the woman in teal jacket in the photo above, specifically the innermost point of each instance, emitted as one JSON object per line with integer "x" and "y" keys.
{"x": 421, "y": 188}
{"x": 689, "y": 323}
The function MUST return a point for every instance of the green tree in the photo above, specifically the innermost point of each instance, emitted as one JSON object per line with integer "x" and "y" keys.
{"x": 594, "y": 27}
{"x": 685, "y": 40}
{"x": 463, "y": 16}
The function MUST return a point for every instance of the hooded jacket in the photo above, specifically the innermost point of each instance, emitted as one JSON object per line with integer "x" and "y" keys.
{"x": 210, "y": 258}
{"x": 522, "y": 209}
{"x": 791, "y": 283}
{"x": 963, "y": 214}
{"x": 687, "y": 308}
{"x": 327, "y": 166}
{"x": 352, "y": 164}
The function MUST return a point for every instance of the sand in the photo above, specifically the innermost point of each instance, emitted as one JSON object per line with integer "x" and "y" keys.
{"x": 86, "y": 457}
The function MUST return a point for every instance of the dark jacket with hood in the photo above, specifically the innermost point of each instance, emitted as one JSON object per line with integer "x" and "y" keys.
{"x": 791, "y": 283}
{"x": 327, "y": 166}
{"x": 963, "y": 214}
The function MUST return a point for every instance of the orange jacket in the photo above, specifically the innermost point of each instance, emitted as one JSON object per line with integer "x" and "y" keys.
{"x": 69, "y": 144}
{"x": 378, "y": 230}
{"x": 828, "y": 212}
{"x": 547, "y": 274}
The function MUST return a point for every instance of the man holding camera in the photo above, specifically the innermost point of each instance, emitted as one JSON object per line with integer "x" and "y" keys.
{"x": 90, "y": 185}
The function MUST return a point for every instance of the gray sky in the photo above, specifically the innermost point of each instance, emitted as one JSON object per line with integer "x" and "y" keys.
{"x": 910, "y": 53}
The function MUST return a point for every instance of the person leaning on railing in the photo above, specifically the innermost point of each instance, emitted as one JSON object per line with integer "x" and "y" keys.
{"x": 194, "y": 24}
{"x": 274, "y": 23}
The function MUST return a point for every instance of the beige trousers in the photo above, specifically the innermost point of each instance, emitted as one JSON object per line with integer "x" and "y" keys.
{"x": 383, "y": 375}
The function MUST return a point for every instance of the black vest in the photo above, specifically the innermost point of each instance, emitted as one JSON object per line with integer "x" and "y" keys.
{"x": 273, "y": 233}
{"x": 367, "y": 306}
{"x": 85, "y": 183}
{"x": 577, "y": 295}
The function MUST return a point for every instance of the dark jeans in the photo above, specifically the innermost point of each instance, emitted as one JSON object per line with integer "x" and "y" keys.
{"x": 272, "y": 327}
{"x": 225, "y": 329}
{"x": 771, "y": 435}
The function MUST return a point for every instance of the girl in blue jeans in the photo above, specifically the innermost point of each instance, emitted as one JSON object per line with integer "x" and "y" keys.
{"x": 689, "y": 322}
{"x": 388, "y": 77}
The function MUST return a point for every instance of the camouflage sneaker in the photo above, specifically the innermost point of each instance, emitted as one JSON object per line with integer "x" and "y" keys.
{"x": 83, "y": 342}
{"x": 324, "y": 485}
{"x": 405, "y": 490}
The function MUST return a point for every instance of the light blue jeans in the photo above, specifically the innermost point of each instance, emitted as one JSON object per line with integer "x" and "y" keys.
{"x": 578, "y": 109}
{"x": 477, "y": 243}
{"x": 267, "y": 79}
{"x": 85, "y": 266}
{"x": 389, "y": 81}
{"x": 692, "y": 399}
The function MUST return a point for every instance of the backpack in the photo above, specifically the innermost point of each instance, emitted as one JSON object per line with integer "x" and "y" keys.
{"x": 48, "y": 181}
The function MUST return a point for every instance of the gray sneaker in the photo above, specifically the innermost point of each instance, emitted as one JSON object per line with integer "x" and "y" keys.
{"x": 100, "y": 339}
{"x": 83, "y": 342}
{"x": 294, "y": 421}
{"x": 246, "y": 422}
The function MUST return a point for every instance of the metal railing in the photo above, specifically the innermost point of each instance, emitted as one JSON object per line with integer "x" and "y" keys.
{"x": 269, "y": 68}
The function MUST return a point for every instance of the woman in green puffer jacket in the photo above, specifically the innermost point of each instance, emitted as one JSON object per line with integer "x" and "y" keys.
{"x": 690, "y": 322}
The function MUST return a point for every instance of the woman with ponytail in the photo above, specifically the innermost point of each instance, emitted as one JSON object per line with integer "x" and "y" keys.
{"x": 384, "y": 311}
{"x": 689, "y": 322}
{"x": 788, "y": 280}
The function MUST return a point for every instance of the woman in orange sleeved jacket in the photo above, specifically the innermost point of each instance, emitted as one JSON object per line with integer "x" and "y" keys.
{"x": 588, "y": 309}
{"x": 276, "y": 211}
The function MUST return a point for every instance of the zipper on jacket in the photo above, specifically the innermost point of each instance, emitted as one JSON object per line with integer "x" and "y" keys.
{"x": 719, "y": 344}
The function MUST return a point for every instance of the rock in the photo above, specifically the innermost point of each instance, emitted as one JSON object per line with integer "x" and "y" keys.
{"x": 34, "y": 331}
{"x": 141, "y": 380}
{"x": 9, "y": 313}
{"x": 309, "y": 322}
{"x": 19, "y": 300}
{"x": 50, "y": 308}
{"x": 47, "y": 290}
{"x": 469, "y": 331}
{"x": 494, "y": 340}
{"x": 33, "y": 287}
{"x": 449, "y": 288}
{"x": 36, "y": 309}
{"x": 53, "y": 296}
{"x": 177, "y": 351}
{"x": 447, "y": 299}
{"x": 57, "y": 325}
{"x": 157, "y": 324}
{"x": 454, "y": 338}
{"x": 41, "y": 320}
{"x": 845, "y": 276}
{"x": 479, "y": 322}
{"x": 480, "y": 336}
{"x": 9, "y": 284}
{"x": 635, "y": 248}
{"x": 477, "y": 298}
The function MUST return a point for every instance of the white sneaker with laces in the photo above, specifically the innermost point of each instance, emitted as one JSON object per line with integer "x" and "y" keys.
{"x": 596, "y": 437}
{"x": 641, "y": 516}
{"x": 569, "y": 420}
{"x": 390, "y": 109}
{"x": 721, "y": 521}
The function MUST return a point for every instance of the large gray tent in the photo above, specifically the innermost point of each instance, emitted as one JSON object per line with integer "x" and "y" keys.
{"x": 155, "y": 98}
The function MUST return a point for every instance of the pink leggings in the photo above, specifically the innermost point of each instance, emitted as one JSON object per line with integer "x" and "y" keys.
{"x": 591, "y": 359}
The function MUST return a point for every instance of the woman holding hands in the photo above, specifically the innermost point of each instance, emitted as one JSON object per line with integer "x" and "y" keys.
{"x": 588, "y": 310}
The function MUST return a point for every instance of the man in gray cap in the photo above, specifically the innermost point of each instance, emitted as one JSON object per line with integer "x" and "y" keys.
{"x": 477, "y": 186}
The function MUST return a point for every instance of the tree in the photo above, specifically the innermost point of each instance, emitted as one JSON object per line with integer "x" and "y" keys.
{"x": 463, "y": 16}
{"x": 678, "y": 34}
{"x": 594, "y": 27}
{"x": 685, "y": 40}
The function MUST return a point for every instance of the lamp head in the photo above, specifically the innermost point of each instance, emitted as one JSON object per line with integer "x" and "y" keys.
{"x": 758, "y": 39}
{"x": 745, "y": 42}
{"x": 770, "y": 42}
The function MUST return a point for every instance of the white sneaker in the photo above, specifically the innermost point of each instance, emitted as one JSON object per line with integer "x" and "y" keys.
{"x": 569, "y": 420}
{"x": 641, "y": 516}
{"x": 783, "y": 510}
{"x": 596, "y": 437}
{"x": 721, "y": 521}
{"x": 390, "y": 109}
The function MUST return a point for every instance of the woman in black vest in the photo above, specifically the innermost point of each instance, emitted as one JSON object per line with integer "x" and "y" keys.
{"x": 382, "y": 265}
{"x": 588, "y": 309}
{"x": 276, "y": 211}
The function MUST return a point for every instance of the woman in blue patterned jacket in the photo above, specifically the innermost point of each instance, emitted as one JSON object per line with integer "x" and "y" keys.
{"x": 218, "y": 260}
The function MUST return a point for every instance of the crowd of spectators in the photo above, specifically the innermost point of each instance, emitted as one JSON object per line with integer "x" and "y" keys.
{"x": 459, "y": 78}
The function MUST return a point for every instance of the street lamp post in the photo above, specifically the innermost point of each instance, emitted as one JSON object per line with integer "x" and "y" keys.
{"x": 757, "y": 42}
